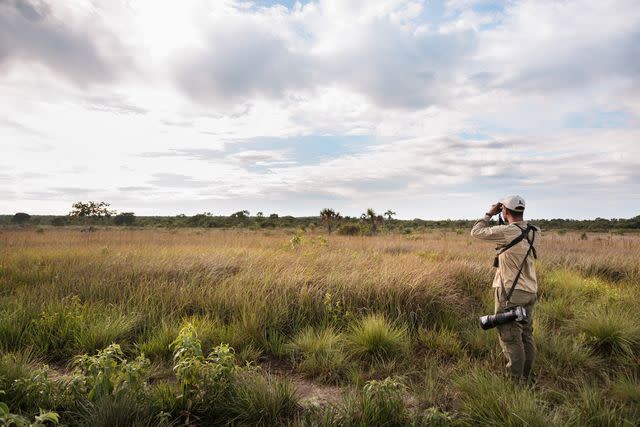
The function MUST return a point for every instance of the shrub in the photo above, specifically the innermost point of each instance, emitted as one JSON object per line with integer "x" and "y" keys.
{"x": 349, "y": 230}
{"x": 26, "y": 385}
{"x": 13, "y": 420}
{"x": 124, "y": 218}
{"x": 20, "y": 218}
{"x": 59, "y": 221}
{"x": 196, "y": 374}
{"x": 108, "y": 373}
{"x": 374, "y": 338}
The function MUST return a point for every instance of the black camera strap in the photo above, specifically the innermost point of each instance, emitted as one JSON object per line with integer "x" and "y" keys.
{"x": 524, "y": 235}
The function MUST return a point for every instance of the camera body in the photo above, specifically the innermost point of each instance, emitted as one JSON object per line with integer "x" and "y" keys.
{"x": 515, "y": 314}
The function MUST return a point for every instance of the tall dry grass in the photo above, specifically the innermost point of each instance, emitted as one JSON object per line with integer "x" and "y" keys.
{"x": 66, "y": 292}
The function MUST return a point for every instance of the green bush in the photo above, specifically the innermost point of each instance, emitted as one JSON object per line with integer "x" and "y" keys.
{"x": 108, "y": 373}
{"x": 26, "y": 384}
{"x": 350, "y": 230}
{"x": 12, "y": 420}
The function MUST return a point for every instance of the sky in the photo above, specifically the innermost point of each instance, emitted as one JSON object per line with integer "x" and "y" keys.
{"x": 433, "y": 109}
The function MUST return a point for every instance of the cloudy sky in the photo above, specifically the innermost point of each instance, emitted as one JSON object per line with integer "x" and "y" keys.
{"x": 432, "y": 108}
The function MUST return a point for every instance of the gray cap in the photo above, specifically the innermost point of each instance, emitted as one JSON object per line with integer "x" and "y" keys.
{"x": 514, "y": 203}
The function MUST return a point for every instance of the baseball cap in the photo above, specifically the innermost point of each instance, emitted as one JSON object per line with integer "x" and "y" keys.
{"x": 515, "y": 203}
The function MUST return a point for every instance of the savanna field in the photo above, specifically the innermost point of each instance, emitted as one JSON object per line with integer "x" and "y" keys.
{"x": 119, "y": 327}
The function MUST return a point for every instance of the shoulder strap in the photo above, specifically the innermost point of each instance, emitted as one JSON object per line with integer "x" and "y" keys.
{"x": 514, "y": 241}
{"x": 531, "y": 249}
{"x": 502, "y": 249}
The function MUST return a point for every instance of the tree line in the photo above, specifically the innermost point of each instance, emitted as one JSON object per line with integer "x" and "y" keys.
{"x": 369, "y": 222}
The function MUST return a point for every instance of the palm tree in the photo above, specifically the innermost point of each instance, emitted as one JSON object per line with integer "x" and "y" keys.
{"x": 329, "y": 218}
{"x": 371, "y": 216}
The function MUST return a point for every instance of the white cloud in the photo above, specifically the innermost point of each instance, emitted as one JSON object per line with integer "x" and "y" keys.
{"x": 466, "y": 103}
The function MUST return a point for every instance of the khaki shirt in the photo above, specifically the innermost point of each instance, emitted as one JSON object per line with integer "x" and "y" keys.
{"x": 511, "y": 259}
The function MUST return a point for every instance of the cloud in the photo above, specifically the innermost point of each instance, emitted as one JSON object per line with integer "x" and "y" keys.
{"x": 329, "y": 100}
{"x": 546, "y": 46}
{"x": 172, "y": 180}
{"x": 188, "y": 153}
{"x": 112, "y": 103}
{"x": 242, "y": 58}
{"x": 12, "y": 124}
{"x": 269, "y": 52}
{"x": 261, "y": 157}
{"x": 36, "y": 32}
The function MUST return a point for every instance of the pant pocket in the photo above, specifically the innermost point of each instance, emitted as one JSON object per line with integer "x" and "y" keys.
{"x": 507, "y": 332}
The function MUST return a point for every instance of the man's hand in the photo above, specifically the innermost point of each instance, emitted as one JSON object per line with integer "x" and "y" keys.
{"x": 495, "y": 209}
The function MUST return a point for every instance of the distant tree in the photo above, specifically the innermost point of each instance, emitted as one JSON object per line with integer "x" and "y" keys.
{"x": 260, "y": 215}
{"x": 329, "y": 218}
{"x": 124, "y": 218}
{"x": 349, "y": 229}
{"x": 273, "y": 216}
{"x": 91, "y": 209}
{"x": 240, "y": 214}
{"x": 389, "y": 214}
{"x": 20, "y": 218}
{"x": 59, "y": 221}
{"x": 373, "y": 220}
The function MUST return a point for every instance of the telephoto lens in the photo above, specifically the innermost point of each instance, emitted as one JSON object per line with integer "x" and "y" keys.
{"x": 518, "y": 314}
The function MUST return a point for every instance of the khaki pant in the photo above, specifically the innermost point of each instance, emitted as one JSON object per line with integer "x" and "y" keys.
{"x": 516, "y": 339}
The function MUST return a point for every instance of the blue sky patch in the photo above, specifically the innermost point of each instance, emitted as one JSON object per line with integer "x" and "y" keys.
{"x": 286, "y": 3}
{"x": 599, "y": 119}
{"x": 306, "y": 150}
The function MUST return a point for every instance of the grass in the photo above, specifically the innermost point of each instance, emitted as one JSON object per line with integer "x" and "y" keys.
{"x": 492, "y": 400}
{"x": 374, "y": 338}
{"x": 337, "y": 310}
{"x": 611, "y": 334}
{"x": 319, "y": 354}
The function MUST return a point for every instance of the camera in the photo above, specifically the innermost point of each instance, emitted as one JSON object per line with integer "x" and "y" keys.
{"x": 517, "y": 314}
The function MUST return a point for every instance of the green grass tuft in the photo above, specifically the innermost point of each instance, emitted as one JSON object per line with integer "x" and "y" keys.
{"x": 319, "y": 354}
{"x": 492, "y": 400}
{"x": 374, "y": 338}
{"x": 257, "y": 400}
{"x": 614, "y": 335}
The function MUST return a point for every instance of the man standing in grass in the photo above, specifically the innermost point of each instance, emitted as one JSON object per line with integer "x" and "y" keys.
{"x": 515, "y": 263}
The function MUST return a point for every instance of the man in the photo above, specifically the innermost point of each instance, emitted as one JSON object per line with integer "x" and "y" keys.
{"x": 516, "y": 339}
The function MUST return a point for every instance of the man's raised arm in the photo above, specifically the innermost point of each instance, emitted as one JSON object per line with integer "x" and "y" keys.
{"x": 482, "y": 230}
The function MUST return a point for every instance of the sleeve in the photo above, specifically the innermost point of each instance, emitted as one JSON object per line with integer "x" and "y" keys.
{"x": 482, "y": 230}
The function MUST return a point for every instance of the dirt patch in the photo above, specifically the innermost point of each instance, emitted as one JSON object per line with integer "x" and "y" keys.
{"x": 311, "y": 393}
